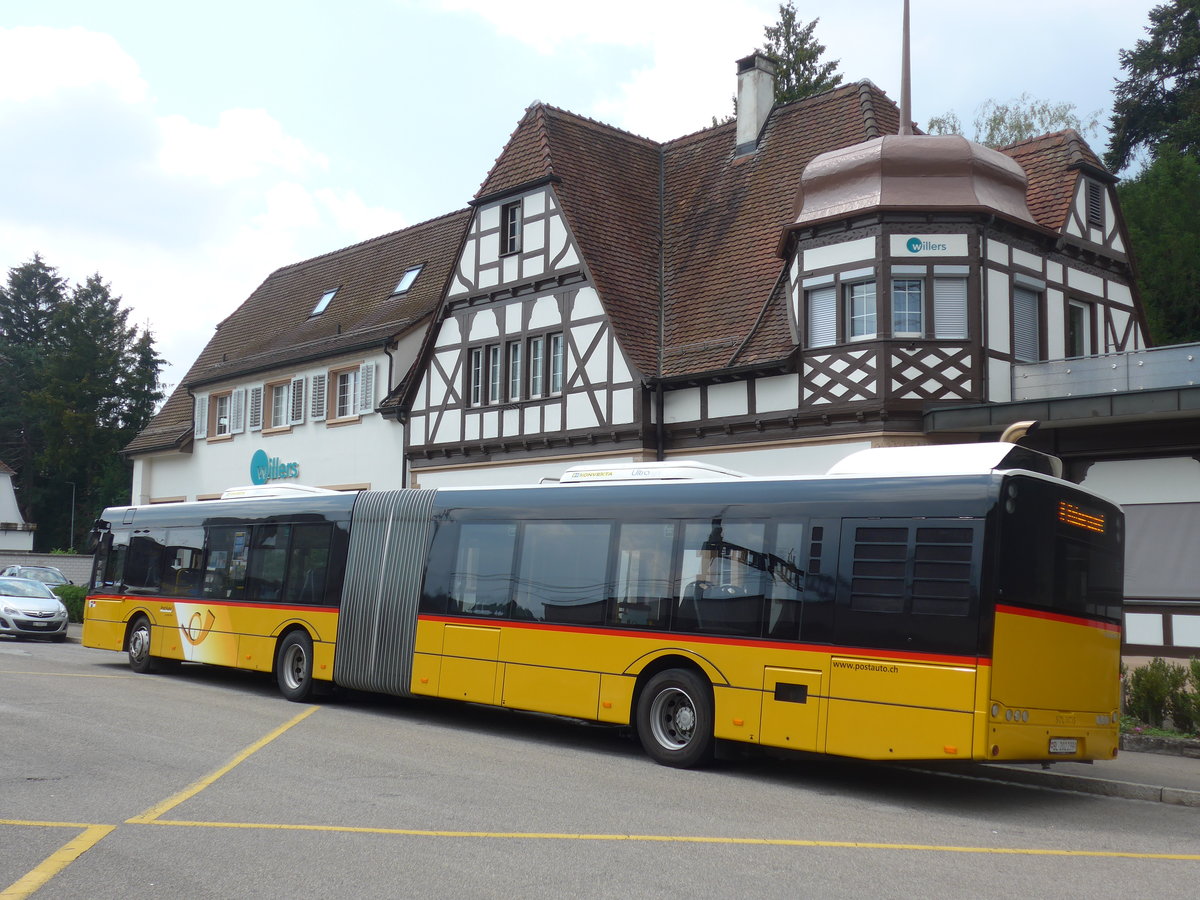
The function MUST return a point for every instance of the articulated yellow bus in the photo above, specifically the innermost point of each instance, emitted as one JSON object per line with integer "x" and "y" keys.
{"x": 934, "y": 603}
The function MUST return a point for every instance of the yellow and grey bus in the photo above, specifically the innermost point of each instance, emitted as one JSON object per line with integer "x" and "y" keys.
{"x": 935, "y": 603}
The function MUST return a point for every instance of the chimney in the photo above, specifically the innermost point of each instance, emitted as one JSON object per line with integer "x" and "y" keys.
{"x": 755, "y": 98}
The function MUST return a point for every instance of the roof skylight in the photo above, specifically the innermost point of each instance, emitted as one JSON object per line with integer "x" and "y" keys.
{"x": 407, "y": 279}
{"x": 323, "y": 303}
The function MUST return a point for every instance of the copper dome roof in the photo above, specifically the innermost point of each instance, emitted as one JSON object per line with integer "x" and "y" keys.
{"x": 922, "y": 173}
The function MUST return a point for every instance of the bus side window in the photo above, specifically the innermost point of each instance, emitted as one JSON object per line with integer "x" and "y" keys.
{"x": 644, "y": 592}
{"x": 562, "y": 572}
{"x": 724, "y": 578}
{"x": 308, "y": 564}
{"x": 785, "y": 611}
{"x": 481, "y": 584}
{"x": 268, "y": 562}
{"x": 225, "y": 561}
{"x": 143, "y": 565}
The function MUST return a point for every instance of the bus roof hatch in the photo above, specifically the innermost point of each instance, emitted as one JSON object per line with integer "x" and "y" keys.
{"x": 624, "y": 473}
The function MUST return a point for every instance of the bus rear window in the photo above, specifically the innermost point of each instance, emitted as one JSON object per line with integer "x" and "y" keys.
{"x": 1061, "y": 550}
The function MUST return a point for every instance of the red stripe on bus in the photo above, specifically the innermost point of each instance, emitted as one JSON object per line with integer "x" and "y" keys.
{"x": 1056, "y": 617}
{"x": 206, "y": 601}
{"x": 831, "y": 649}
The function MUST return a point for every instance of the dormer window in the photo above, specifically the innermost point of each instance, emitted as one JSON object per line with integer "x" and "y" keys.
{"x": 510, "y": 228}
{"x": 407, "y": 279}
{"x": 324, "y": 302}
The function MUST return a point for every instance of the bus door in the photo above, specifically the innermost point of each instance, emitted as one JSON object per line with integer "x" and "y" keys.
{"x": 902, "y": 682}
{"x": 482, "y": 587}
{"x": 803, "y": 559}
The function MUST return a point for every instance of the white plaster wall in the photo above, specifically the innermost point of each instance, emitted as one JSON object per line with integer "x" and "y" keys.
{"x": 997, "y": 252}
{"x": 9, "y": 512}
{"x": 999, "y": 388}
{"x": 999, "y": 303}
{"x": 1085, "y": 281}
{"x": 728, "y": 399}
{"x": 370, "y": 452}
{"x": 839, "y": 254}
{"x": 1056, "y": 325}
{"x": 681, "y": 406}
{"x": 777, "y": 392}
{"x": 1172, "y": 480}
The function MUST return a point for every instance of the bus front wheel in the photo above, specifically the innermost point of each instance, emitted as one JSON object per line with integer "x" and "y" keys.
{"x": 675, "y": 719}
{"x": 138, "y": 646}
{"x": 293, "y": 670}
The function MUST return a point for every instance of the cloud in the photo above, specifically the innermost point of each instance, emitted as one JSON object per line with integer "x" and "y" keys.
{"x": 184, "y": 218}
{"x": 245, "y": 143}
{"x": 39, "y": 63}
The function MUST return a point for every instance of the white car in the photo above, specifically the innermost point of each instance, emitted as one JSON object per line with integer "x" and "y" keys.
{"x": 29, "y": 609}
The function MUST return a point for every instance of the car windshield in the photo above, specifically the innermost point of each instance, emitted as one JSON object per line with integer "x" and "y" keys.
{"x": 47, "y": 576}
{"x": 24, "y": 587}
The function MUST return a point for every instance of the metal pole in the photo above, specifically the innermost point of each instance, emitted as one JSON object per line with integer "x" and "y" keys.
{"x": 71, "y": 537}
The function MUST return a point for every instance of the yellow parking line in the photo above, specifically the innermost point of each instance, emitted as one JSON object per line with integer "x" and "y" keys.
{"x": 192, "y": 790}
{"x": 57, "y": 861}
{"x": 684, "y": 839}
{"x": 66, "y": 674}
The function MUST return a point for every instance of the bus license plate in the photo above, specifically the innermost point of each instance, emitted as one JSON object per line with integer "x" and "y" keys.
{"x": 1064, "y": 745}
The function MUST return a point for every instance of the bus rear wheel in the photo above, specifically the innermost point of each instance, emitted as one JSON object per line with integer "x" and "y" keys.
{"x": 293, "y": 667}
{"x": 675, "y": 719}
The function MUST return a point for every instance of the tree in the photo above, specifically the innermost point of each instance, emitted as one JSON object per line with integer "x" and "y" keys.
{"x": 1162, "y": 213}
{"x": 1000, "y": 124}
{"x": 798, "y": 56}
{"x": 1157, "y": 103}
{"x": 34, "y": 291}
{"x": 90, "y": 386}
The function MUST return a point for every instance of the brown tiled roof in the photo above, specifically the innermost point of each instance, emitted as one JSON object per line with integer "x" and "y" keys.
{"x": 274, "y": 327}
{"x": 722, "y": 222}
{"x": 1051, "y": 163}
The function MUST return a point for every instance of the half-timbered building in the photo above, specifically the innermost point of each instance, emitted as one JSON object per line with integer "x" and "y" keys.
{"x": 770, "y": 293}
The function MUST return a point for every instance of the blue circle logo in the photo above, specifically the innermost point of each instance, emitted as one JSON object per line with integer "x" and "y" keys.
{"x": 914, "y": 245}
{"x": 258, "y": 467}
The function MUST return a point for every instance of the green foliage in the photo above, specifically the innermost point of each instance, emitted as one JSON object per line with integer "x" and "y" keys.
{"x": 72, "y": 597}
{"x": 1159, "y": 689}
{"x": 77, "y": 383}
{"x": 1162, "y": 213}
{"x": 1000, "y": 124}
{"x": 798, "y": 56}
{"x": 1157, "y": 105}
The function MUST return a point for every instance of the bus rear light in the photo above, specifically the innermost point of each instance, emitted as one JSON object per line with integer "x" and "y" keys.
{"x": 995, "y": 710}
{"x": 995, "y": 749}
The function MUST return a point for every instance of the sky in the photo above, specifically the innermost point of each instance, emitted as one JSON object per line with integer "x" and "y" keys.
{"x": 186, "y": 151}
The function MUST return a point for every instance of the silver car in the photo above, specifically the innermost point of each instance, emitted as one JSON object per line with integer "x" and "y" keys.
{"x": 45, "y": 574}
{"x": 30, "y": 609}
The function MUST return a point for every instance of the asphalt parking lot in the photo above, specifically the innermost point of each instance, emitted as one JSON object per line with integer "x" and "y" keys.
{"x": 205, "y": 783}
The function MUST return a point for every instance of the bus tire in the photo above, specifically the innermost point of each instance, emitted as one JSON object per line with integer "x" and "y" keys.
{"x": 293, "y": 666}
{"x": 675, "y": 719}
{"x": 137, "y": 644}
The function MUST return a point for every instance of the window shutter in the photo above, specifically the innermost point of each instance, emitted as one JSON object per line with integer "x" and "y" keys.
{"x": 822, "y": 317}
{"x": 318, "y": 397}
{"x": 366, "y": 388}
{"x": 297, "y": 399}
{"x": 237, "y": 411}
{"x": 200, "y": 417}
{"x": 950, "y": 309}
{"x": 256, "y": 410}
{"x": 1025, "y": 324}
